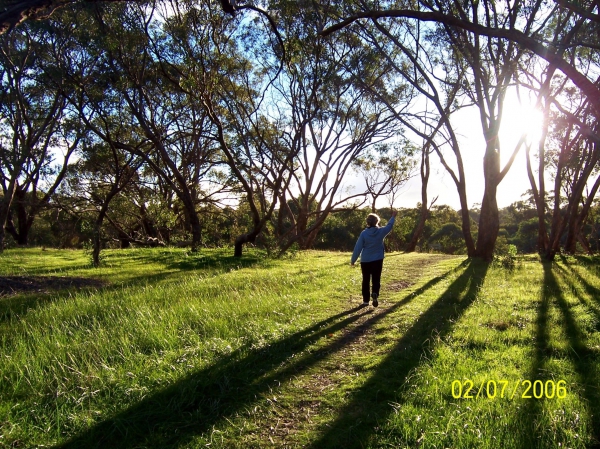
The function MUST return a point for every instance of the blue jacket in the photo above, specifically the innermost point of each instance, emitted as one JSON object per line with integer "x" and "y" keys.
{"x": 370, "y": 243}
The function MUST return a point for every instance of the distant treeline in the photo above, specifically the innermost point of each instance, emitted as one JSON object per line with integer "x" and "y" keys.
{"x": 145, "y": 226}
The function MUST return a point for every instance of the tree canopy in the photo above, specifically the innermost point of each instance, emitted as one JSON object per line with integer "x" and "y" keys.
{"x": 162, "y": 122}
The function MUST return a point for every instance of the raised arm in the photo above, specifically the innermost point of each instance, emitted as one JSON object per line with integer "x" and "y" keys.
{"x": 388, "y": 227}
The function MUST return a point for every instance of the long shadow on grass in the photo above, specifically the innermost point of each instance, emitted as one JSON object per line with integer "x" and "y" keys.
{"x": 593, "y": 303}
{"x": 530, "y": 426}
{"x": 525, "y": 423}
{"x": 584, "y": 360}
{"x": 369, "y": 405}
{"x": 195, "y": 404}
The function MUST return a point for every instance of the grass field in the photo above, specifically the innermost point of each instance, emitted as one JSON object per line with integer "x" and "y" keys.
{"x": 166, "y": 349}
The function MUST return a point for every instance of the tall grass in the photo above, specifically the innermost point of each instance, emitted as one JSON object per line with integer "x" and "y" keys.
{"x": 72, "y": 358}
{"x": 173, "y": 349}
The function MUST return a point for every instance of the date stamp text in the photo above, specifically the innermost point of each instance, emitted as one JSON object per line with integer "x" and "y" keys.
{"x": 504, "y": 389}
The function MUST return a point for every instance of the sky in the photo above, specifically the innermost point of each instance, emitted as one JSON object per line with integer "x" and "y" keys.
{"x": 516, "y": 120}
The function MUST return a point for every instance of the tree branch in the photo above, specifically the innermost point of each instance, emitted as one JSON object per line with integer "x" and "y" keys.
{"x": 591, "y": 91}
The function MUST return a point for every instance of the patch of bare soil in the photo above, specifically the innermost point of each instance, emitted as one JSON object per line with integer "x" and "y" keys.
{"x": 12, "y": 285}
{"x": 396, "y": 286}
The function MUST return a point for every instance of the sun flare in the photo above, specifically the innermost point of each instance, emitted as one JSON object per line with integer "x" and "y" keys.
{"x": 520, "y": 118}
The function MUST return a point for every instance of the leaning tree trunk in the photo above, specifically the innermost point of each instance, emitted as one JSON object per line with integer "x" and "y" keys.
{"x": 249, "y": 237}
{"x": 21, "y": 235}
{"x": 238, "y": 246}
{"x": 96, "y": 240}
{"x": 311, "y": 236}
{"x": 192, "y": 217}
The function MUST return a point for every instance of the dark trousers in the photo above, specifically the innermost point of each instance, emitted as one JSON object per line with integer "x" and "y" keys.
{"x": 371, "y": 270}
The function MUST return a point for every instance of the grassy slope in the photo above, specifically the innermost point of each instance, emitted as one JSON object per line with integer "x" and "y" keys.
{"x": 179, "y": 350}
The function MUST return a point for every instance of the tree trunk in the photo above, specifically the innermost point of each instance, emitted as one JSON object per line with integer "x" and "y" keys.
{"x": 310, "y": 238}
{"x": 192, "y": 217}
{"x": 575, "y": 229}
{"x": 572, "y": 231}
{"x": 554, "y": 237}
{"x": 196, "y": 231}
{"x": 301, "y": 225}
{"x": 554, "y": 240}
{"x": 5, "y": 204}
{"x": 249, "y": 237}
{"x": 124, "y": 239}
{"x": 147, "y": 223}
{"x": 96, "y": 241}
{"x": 540, "y": 203}
{"x": 24, "y": 224}
{"x": 466, "y": 220}
{"x": 489, "y": 220}
{"x": 22, "y": 235}
{"x": 489, "y": 226}
{"x": 10, "y": 227}
{"x": 96, "y": 246}
{"x": 559, "y": 223}
{"x": 584, "y": 243}
{"x": 412, "y": 245}
{"x": 418, "y": 231}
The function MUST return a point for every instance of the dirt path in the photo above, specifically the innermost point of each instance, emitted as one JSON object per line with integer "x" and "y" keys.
{"x": 340, "y": 363}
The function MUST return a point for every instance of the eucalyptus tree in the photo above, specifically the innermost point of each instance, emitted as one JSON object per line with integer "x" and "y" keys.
{"x": 574, "y": 158}
{"x": 36, "y": 136}
{"x": 120, "y": 82}
{"x": 41, "y": 179}
{"x": 430, "y": 102}
{"x": 95, "y": 180}
{"x": 568, "y": 31}
{"x": 329, "y": 117}
{"x": 570, "y": 127}
{"x": 386, "y": 170}
{"x": 482, "y": 68}
{"x": 227, "y": 68}
{"x": 530, "y": 39}
{"x": 425, "y": 206}
{"x": 496, "y": 35}
{"x": 492, "y": 66}
{"x": 14, "y": 12}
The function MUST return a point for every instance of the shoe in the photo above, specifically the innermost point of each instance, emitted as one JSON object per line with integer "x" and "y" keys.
{"x": 375, "y": 302}
{"x": 365, "y": 303}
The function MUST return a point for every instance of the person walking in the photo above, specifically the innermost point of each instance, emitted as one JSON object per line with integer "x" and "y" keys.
{"x": 370, "y": 248}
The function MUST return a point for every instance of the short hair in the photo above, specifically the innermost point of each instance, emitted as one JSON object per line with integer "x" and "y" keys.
{"x": 372, "y": 220}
